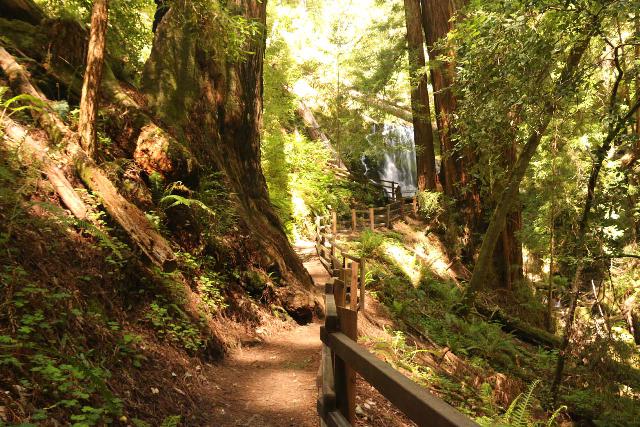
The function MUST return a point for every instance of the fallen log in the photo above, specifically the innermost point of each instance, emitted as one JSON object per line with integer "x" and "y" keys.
{"x": 37, "y": 153}
{"x": 128, "y": 216}
{"x": 383, "y": 105}
{"x": 25, "y": 10}
{"x": 520, "y": 329}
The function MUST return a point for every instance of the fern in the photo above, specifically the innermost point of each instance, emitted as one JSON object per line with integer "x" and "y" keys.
{"x": 522, "y": 411}
{"x": 173, "y": 200}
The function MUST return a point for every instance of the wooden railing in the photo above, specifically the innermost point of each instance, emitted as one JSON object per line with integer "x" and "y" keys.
{"x": 342, "y": 357}
{"x": 371, "y": 218}
{"x": 344, "y": 267}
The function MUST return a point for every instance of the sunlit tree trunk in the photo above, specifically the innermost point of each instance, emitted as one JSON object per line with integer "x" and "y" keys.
{"x": 423, "y": 130}
{"x": 93, "y": 76}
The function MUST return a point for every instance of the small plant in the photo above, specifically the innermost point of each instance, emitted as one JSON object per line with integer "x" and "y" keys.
{"x": 431, "y": 204}
{"x": 172, "y": 324}
{"x": 370, "y": 242}
{"x": 519, "y": 412}
{"x": 210, "y": 286}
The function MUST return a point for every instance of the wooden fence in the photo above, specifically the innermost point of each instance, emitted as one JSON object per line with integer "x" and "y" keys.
{"x": 342, "y": 357}
{"x": 371, "y": 218}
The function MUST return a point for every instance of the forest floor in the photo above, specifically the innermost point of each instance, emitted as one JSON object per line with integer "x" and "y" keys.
{"x": 273, "y": 382}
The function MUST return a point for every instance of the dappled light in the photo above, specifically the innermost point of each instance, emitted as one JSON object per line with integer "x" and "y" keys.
{"x": 292, "y": 212}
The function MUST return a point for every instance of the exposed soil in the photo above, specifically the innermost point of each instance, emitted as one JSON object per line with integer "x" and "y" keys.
{"x": 272, "y": 382}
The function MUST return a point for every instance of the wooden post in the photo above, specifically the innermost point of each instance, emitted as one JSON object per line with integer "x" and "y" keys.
{"x": 362, "y": 285}
{"x": 415, "y": 205}
{"x": 389, "y": 217}
{"x": 338, "y": 292}
{"x": 354, "y": 222}
{"x": 334, "y": 223}
{"x": 354, "y": 286}
{"x": 372, "y": 219}
{"x": 402, "y": 208}
{"x": 393, "y": 191}
{"x": 345, "y": 377}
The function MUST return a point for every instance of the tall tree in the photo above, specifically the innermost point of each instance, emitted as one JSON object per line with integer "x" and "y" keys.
{"x": 436, "y": 22}
{"x": 423, "y": 130}
{"x": 509, "y": 194}
{"x": 458, "y": 182}
{"x": 205, "y": 80}
{"x": 93, "y": 76}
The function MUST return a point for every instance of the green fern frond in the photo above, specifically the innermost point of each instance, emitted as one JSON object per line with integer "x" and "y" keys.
{"x": 555, "y": 415}
{"x": 522, "y": 411}
{"x": 173, "y": 200}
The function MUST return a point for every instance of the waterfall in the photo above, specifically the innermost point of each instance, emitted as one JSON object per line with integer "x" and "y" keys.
{"x": 399, "y": 163}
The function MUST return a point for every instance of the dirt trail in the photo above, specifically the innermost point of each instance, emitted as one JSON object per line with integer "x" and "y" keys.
{"x": 273, "y": 383}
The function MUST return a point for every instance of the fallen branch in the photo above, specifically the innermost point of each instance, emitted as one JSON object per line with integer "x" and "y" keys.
{"x": 131, "y": 219}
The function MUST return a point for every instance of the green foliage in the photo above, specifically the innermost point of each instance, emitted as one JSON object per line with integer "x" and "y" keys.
{"x": 173, "y": 324}
{"x": 370, "y": 243}
{"x": 210, "y": 286}
{"x": 519, "y": 413}
{"x": 233, "y": 31}
{"x": 431, "y": 204}
{"x": 129, "y": 37}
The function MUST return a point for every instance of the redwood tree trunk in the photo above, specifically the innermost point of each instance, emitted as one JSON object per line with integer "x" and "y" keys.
{"x": 93, "y": 76}
{"x": 215, "y": 103}
{"x": 423, "y": 131}
{"x": 507, "y": 257}
{"x": 437, "y": 23}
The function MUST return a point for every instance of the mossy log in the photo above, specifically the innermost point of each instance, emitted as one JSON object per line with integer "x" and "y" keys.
{"x": 24, "y": 10}
{"x": 36, "y": 153}
{"x": 130, "y": 218}
{"x": 519, "y": 328}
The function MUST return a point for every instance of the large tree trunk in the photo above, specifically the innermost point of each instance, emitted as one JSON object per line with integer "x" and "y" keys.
{"x": 423, "y": 131}
{"x": 510, "y": 193}
{"x": 216, "y": 103}
{"x": 507, "y": 257}
{"x": 93, "y": 76}
{"x": 437, "y": 22}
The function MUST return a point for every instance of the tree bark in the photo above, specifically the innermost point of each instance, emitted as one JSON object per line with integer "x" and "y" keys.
{"x": 216, "y": 103}
{"x": 421, "y": 111}
{"x": 436, "y": 23}
{"x": 511, "y": 190}
{"x": 93, "y": 76}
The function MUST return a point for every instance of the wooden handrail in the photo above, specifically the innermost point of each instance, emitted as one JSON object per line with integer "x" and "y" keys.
{"x": 413, "y": 400}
